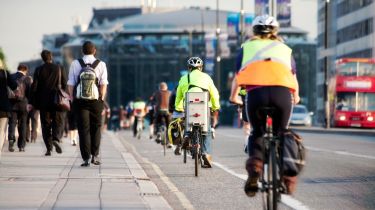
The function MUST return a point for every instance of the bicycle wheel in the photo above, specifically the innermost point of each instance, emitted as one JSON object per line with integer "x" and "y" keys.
{"x": 197, "y": 150}
{"x": 272, "y": 180}
{"x": 163, "y": 140}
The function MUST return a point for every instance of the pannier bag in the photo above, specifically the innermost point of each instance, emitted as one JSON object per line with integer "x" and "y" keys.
{"x": 294, "y": 153}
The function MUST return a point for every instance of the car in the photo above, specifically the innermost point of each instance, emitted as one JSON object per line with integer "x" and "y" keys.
{"x": 301, "y": 116}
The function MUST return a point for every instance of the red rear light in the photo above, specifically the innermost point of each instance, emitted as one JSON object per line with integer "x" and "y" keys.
{"x": 197, "y": 99}
{"x": 269, "y": 121}
{"x": 196, "y": 115}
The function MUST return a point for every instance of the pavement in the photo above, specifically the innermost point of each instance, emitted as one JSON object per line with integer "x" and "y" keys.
{"x": 30, "y": 180}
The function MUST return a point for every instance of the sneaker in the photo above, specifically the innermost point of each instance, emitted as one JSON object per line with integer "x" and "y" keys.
{"x": 22, "y": 149}
{"x": 11, "y": 144}
{"x": 158, "y": 140}
{"x": 95, "y": 160}
{"x": 85, "y": 163}
{"x": 48, "y": 153}
{"x": 207, "y": 159}
{"x": 169, "y": 145}
{"x": 57, "y": 147}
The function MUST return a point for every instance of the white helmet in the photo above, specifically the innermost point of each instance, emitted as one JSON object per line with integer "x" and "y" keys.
{"x": 195, "y": 62}
{"x": 265, "y": 20}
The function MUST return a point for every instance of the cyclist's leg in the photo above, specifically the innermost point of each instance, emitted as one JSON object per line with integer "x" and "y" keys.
{"x": 256, "y": 99}
{"x": 282, "y": 100}
{"x": 206, "y": 148}
{"x": 135, "y": 127}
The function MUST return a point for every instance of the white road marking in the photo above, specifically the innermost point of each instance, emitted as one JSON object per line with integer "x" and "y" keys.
{"x": 341, "y": 153}
{"x": 315, "y": 149}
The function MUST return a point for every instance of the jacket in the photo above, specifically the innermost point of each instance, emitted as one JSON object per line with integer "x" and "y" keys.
{"x": 266, "y": 63}
{"x": 45, "y": 85}
{"x": 5, "y": 80}
{"x": 199, "y": 81}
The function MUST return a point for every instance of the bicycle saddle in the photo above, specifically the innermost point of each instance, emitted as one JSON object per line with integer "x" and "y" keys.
{"x": 267, "y": 110}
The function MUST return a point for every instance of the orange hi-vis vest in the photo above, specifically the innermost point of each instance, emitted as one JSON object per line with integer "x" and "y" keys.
{"x": 266, "y": 63}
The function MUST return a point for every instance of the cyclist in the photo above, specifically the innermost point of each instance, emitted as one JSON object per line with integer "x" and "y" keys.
{"x": 139, "y": 111}
{"x": 235, "y": 92}
{"x": 268, "y": 72}
{"x": 161, "y": 98}
{"x": 197, "y": 81}
{"x": 151, "y": 116}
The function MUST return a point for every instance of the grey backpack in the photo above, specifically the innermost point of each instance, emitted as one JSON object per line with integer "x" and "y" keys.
{"x": 88, "y": 85}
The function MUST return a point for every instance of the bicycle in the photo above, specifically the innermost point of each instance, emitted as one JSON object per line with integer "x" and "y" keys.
{"x": 271, "y": 178}
{"x": 197, "y": 124}
{"x": 139, "y": 121}
{"x": 175, "y": 133}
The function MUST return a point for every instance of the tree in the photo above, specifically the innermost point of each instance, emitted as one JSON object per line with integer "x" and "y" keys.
{"x": 2, "y": 57}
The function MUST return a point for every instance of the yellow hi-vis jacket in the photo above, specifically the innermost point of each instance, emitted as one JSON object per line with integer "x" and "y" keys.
{"x": 201, "y": 81}
{"x": 266, "y": 63}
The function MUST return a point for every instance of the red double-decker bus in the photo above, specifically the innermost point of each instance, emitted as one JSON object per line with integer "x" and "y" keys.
{"x": 354, "y": 95}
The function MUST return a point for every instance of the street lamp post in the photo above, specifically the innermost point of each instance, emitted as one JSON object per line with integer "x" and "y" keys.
{"x": 218, "y": 58}
{"x": 242, "y": 23}
{"x": 326, "y": 100}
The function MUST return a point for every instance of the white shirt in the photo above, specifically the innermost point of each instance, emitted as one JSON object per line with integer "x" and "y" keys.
{"x": 100, "y": 70}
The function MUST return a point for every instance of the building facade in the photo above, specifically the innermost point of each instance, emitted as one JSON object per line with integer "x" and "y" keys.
{"x": 350, "y": 34}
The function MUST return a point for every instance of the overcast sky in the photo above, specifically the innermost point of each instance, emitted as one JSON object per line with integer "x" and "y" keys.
{"x": 23, "y": 22}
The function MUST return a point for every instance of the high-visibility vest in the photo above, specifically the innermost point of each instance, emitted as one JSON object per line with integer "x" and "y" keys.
{"x": 266, "y": 63}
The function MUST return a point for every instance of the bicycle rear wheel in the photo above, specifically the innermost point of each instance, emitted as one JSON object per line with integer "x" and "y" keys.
{"x": 272, "y": 180}
{"x": 196, "y": 147}
{"x": 163, "y": 140}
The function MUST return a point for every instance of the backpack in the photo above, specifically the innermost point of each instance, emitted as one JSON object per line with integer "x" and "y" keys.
{"x": 88, "y": 85}
{"x": 294, "y": 153}
{"x": 18, "y": 94}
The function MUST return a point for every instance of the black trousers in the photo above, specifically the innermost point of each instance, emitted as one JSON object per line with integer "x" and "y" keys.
{"x": 162, "y": 116}
{"x": 271, "y": 96}
{"x": 52, "y": 126}
{"x": 18, "y": 118}
{"x": 32, "y": 118}
{"x": 89, "y": 119}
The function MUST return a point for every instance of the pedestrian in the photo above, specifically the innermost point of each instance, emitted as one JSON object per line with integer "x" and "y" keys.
{"x": 19, "y": 103}
{"x": 87, "y": 86}
{"x": 5, "y": 105}
{"x": 45, "y": 84}
{"x": 32, "y": 125}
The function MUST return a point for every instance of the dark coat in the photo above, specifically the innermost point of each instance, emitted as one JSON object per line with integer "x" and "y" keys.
{"x": 5, "y": 105}
{"x": 21, "y": 105}
{"x": 45, "y": 85}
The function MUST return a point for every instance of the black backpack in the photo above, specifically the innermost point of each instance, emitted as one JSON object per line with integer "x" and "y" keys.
{"x": 19, "y": 93}
{"x": 294, "y": 153}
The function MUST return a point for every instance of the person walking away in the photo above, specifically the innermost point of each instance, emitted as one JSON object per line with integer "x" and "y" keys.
{"x": 161, "y": 98}
{"x": 5, "y": 106}
{"x": 139, "y": 111}
{"x": 87, "y": 86}
{"x": 19, "y": 103}
{"x": 32, "y": 125}
{"x": 197, "y": 81}
{"x": 72, "y": 126}
{"x": 268, "y": 72}
{"x": 43, "y": 90}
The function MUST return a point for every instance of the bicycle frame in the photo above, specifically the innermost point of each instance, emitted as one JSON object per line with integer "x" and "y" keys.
{"x": 271, "y": 178}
